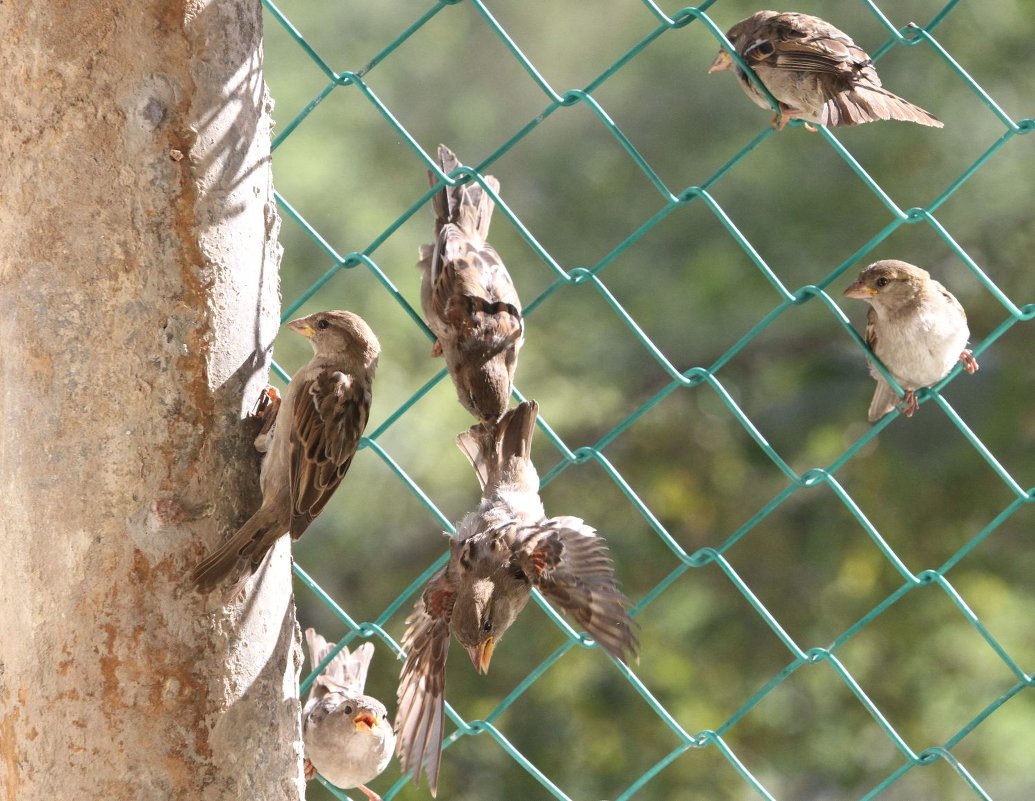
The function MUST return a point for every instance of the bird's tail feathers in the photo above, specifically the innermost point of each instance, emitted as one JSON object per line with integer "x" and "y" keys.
{"x": 501, "y": 452}
{"x": 884, "y": 400}
{"x": 864, "y": 103}
{"x": 237, "y": 558}
{"x": 346, "y": 672}
{"x": 469, "y": 206}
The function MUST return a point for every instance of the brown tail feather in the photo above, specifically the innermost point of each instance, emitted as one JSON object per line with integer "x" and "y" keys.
{"x": 238, "y": 557}
{"x": 870, "y": 103}
{"x": 468, "y": 206}
{"x": 501, "y": 452}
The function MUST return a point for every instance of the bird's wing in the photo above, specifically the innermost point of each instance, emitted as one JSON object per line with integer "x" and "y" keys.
{"x": 420, "y": 714}
{"x": 570, "y": 564}
{"x": 808, "y": 44}
{"x": 950, "y": 299}
{"x": 871, "y": 329}
{"x": 473, "y": 293}
{"x": 330, "y": 413}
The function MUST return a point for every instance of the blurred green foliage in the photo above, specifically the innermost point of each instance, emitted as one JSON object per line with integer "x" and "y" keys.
{"x": 802, "y": 381}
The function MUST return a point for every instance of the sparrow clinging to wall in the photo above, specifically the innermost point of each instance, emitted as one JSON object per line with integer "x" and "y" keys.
{"x": 310, "y": 448}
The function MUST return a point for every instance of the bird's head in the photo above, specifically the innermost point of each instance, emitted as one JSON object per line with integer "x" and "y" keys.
{"x": 485, "y": 608}
{"x": 367, "y": 714}
{"x": 889, "y": 283}
{"x": 332, "y": 332}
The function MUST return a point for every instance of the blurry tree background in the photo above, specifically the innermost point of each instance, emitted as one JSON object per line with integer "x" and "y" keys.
{"x": 694, "y": 291}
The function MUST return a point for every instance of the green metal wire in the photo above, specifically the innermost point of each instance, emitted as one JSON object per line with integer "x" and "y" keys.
{"x": 694, "y": 378}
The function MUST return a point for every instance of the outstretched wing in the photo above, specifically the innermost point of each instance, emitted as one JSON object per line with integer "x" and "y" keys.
{"x": 420, "y": 715}
{"x": 571, "y": 565}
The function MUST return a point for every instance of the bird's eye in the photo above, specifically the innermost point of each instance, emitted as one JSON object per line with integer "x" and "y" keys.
{"x": 487, "y": 626}
{"x": 322, "y": 324}
{"x": 348, "y": 709}
{"x": 882, "y": 282}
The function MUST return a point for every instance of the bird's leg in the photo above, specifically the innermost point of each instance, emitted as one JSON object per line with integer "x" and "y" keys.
{"x": 436, "y": 349}
{"x": 969, "y": 362}
{"x": 785, "y": 115}
{"x": 368, "y": 793}
{"x": 909, "y": 404}
{"x": 308, "y": 770}
{"x": 265, "y": 411}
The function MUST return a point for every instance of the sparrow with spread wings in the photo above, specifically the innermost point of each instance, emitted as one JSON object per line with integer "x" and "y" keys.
{"x": 500, "y": 552}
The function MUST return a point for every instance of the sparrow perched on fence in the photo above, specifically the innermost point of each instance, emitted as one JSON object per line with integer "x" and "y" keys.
{"x": 914, "y": 326}
{"x": 468, "y": 297}
{"x": 313, "y": 440}
{"x": 816, "y": 72}
{"x": 347, "y": 737}
{"x": 501, "y": 551}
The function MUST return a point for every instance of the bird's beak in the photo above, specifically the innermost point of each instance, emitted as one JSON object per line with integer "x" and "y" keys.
{"x": 302, "y": 326}
{"x": 860, "y": 290}
{"x": 722, "y": 62}
{"x": 481, "y": 655}
{"x": 365, "y": 721}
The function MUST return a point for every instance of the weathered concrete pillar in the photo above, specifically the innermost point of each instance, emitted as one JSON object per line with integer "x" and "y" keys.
{"x": 138, "y": 301}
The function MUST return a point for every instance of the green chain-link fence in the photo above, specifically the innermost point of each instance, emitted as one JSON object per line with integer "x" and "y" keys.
{"x": 756, "y": 696}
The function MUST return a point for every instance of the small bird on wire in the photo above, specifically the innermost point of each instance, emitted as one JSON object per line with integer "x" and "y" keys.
{"x": 314, "y": 436}
{"x": 347, "y": 737}
{"x": 500, "y": 552}
{"x": 815, "y": 72}
{"x": 468, "y": 297}
{"x": 914, "y": 326}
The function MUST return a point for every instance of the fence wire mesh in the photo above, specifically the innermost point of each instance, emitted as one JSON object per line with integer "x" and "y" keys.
{"x": 813, "y": 680}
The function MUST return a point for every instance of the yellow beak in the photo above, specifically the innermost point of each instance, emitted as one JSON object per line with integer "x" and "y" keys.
{"x": 481, "y": 655}
{"x": 302, "y": 326}
{"x": 860, "y": 290}
{"x": 365, "y": 721}
{"x": 722, "y": 62}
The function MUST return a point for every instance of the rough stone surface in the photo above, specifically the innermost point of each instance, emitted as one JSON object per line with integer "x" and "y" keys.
{"x": 138, "y": 302}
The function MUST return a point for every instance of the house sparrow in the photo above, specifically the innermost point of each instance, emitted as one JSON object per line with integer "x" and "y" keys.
{"x": 347, "y": 737}
{"x": 914, "y": 326}
{"x": 314, "y": 436}
{"x": 501, "y": 551}
{"x": 816, "y": 72}
{"x": 468, "y": 298}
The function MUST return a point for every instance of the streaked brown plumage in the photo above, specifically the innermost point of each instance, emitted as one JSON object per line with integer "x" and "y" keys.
{"x": 914, "y": 326}
{"x": 815, "y": 71}
{"x": 468, "y": 297}
{"x": 314, "y": 437}
{"x": 501, "y": 551}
